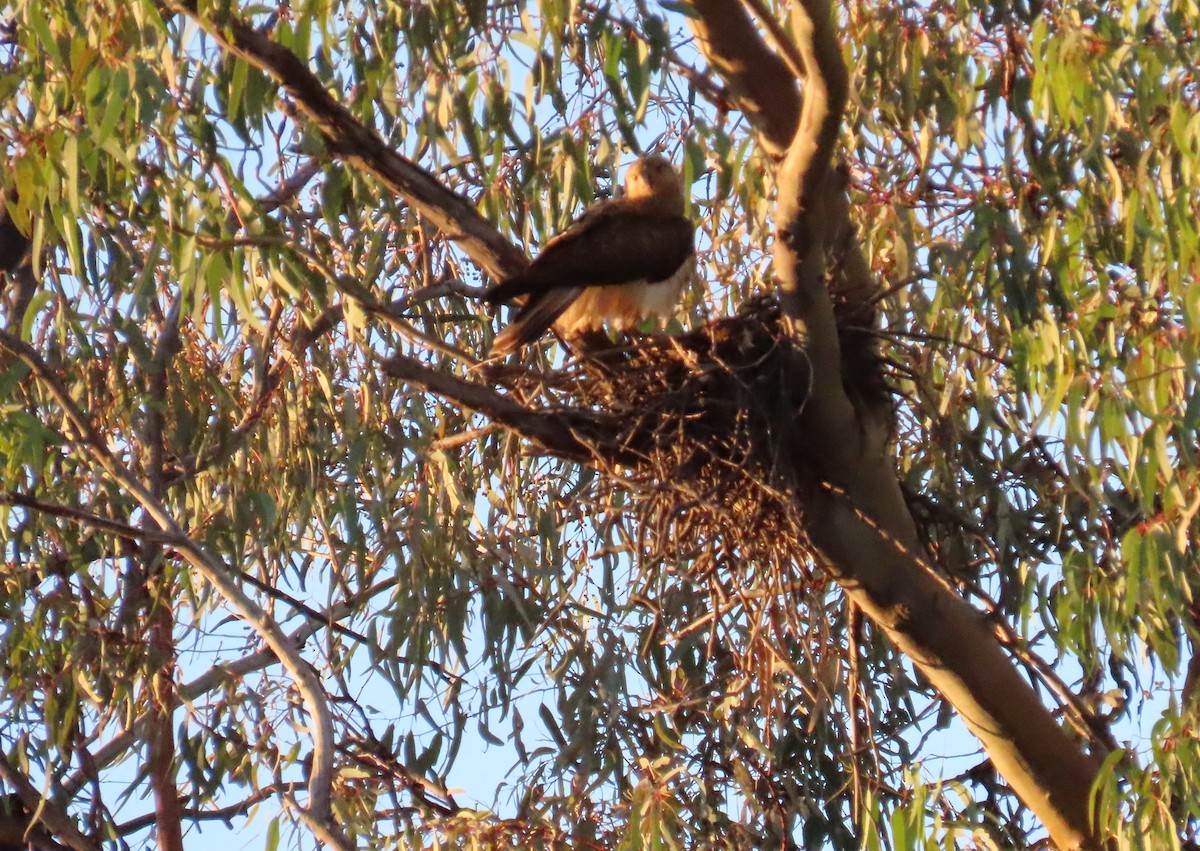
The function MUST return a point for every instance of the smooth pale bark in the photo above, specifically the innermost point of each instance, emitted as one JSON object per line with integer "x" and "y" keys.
{"x": 859, "y": 523}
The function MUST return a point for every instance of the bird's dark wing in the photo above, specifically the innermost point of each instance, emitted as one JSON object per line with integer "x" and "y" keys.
{"x": 534, "y": 319}
{"x": 607, "y": 246}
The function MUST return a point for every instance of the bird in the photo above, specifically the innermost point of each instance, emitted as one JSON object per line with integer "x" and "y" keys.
{"x": 623, "y": 260}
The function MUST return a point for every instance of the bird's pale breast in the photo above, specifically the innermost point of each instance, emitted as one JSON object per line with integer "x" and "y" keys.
{"x": 624, "y": 306}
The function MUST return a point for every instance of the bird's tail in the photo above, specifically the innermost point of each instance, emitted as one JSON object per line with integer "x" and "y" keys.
{"x": 534, "y": 319}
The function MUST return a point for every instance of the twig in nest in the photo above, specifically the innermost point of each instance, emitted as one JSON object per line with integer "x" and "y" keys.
{"x": 702, "y": 420}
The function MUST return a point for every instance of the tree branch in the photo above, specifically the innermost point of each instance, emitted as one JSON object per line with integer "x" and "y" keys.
{"x": 454, "y": 215}
{"x": 212, "y": 569}
{"x": 801, "y": 183}
{"x": 219, "y": 674}
{"x": 762, "y": 86}
{"x": 1189, "y": 698}
{"x": 860, "y": 524}
{"x": 45, "y": 812}
{"x": 124, "y": 530}
{"x": 784, "y": 46}
{"x": 568, "y": 433}
{"x": 225, "y": 814}
{"x": 152, "y": 588}
{"x": 16, "y": 834}
{"x": 302, "y": 337}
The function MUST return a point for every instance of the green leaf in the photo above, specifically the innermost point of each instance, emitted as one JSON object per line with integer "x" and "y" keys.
{"x": 116, "y": 98}
{"x": 680, "y": 7}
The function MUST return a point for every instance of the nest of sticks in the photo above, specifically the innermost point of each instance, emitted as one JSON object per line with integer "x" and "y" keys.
{"x": 699, "y": 424}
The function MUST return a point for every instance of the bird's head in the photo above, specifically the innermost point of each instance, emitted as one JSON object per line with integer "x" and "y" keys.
{"x": 655, "y": 177}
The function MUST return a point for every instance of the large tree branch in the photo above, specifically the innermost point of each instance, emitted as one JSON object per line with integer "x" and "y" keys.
{"x": 454, "y": 215}
{"x": 860, "y": 525}
{"x": 213, "y": 570}
{"x": 803, "y": 183}
{"x": 763, "y": 87}
{"x": 567, "y": 433}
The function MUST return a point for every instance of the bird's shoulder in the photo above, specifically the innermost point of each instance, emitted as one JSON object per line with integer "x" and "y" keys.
{"x": 608, "y": 217}
{"x": 592, "y": 219}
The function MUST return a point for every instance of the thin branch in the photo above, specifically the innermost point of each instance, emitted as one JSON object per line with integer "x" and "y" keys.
{"x": 290, "y": 187}
{"x": 359, "y": 145}
{"x": 150, "y": 535}
{"x": 134, "y": 533}
{"x": 219, "y": 674}
{"x": 85, "y": 518}
{"x": 225, "y": 814}
{"x": 89, "y": 439}
{"x": 302, "y": 338}
{"x": 406, "y": 330}
{"x": 140, "y": 535}
{"x": 153, "y": 586}
{"x": 1190, "y": 695}
{"x": 856, "y": 706}
{"x": 892, "y": 336}
{"x": 453, "y": 441}
{"x": 445, "y": 287}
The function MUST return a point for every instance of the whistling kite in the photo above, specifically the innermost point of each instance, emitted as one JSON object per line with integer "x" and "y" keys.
{"x": 623, "y": 260}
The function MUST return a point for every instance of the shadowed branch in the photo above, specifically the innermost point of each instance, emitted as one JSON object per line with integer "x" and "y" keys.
{"x": 359, "y": 145}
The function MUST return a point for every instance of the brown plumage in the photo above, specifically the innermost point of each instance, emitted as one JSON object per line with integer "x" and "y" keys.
{"x": 621, "y": 261}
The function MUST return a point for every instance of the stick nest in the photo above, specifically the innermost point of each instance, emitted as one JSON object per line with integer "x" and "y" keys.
{"x": 697, "y": 425}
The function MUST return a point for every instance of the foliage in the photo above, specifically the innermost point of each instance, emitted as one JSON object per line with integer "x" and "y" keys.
{"x": 217, "y": 290}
